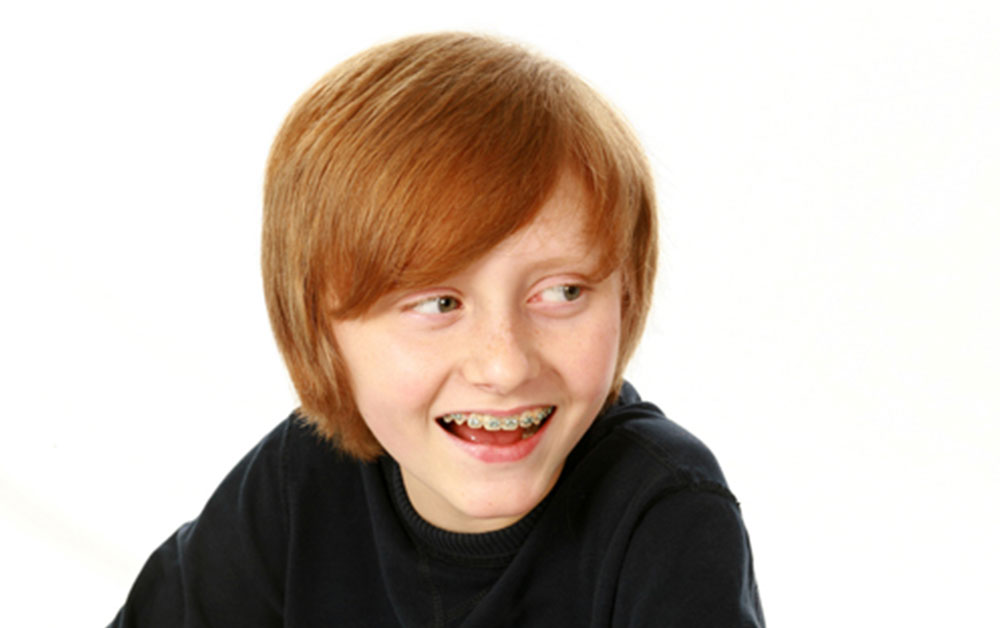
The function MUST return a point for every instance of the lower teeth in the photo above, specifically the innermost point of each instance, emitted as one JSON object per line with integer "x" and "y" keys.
{"x": 528, "y": 432}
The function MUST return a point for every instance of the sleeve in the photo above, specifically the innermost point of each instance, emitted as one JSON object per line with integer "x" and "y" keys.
{"x": 225, "y": 568}
{"x": 689, "y": 564}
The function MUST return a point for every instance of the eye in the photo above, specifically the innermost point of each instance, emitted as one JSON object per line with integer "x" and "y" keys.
{"x": 437, "y": 305}
{"x": 561, "y": 293}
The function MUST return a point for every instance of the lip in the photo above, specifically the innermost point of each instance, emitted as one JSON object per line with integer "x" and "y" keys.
{"x": 503, "y": 453}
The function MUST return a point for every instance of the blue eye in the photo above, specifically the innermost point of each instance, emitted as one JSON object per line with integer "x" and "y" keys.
{"x": 562, "y": 292}
{"x": 437, "y": 305}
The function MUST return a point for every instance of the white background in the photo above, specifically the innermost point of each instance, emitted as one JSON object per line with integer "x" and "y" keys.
{"x": 826, "y": 316}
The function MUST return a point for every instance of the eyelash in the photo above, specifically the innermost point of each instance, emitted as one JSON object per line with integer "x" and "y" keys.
{"x": 443, "y": 304}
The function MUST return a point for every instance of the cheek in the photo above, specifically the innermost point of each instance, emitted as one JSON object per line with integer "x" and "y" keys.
{"x": 414, "y": 370}
{"x": 589, "y": 353}
{"x": 392, "y": 398}
{"x": 391, "y": 377}
{"x": 603, "y": 354}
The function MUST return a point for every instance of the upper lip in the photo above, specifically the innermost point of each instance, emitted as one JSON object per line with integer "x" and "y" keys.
{"x": 501, "y": 413}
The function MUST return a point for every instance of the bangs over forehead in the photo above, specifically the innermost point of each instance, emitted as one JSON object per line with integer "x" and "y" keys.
{"x": 412, "y": 160}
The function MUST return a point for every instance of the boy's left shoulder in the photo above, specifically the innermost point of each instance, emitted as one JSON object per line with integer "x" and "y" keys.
{"x": 644, "y": 504}
{"x": 638, "y": 439}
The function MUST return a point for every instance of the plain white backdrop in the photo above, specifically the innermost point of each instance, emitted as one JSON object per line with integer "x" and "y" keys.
{"x": 827, "y": 309}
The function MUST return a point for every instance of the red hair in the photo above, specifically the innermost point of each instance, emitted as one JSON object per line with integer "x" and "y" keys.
{"x": 410, "y": 160}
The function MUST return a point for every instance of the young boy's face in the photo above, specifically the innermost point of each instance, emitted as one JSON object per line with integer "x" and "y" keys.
{"x": 523, "y": 335}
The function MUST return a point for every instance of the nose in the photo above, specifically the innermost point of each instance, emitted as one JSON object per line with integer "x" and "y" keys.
{"x": 501, "y": 353}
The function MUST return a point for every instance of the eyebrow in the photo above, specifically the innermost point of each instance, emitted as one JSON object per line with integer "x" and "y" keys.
{"x": 587, "y": 265}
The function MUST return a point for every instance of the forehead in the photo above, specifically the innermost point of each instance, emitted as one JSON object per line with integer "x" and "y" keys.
{"x": 559, "y": 229}
{"x": 429, "y": 242}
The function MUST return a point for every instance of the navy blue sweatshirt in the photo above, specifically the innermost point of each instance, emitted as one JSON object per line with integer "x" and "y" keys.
{"x": 640, "y": 530}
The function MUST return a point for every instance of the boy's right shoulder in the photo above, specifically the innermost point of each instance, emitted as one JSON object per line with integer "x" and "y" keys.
{"x": 297, "y": 433}
{"x": 297, "y": 448}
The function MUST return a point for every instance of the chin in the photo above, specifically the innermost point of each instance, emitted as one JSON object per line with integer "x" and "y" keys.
{"x": 499, "y": 507}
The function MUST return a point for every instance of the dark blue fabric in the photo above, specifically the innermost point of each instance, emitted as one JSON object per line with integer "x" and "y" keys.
{"x": 640, "y": 530}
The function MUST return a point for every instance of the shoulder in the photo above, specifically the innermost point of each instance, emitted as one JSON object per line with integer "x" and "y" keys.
{"x": 297, "y": 456}
{"x": 226, "y": 567}
{"x": 634, "y": 438}
{"x": 634, "y": 471}
{"x": 295, "y": 443}
{"x": 688, "y": 562}
{"x": 650, "y": 501}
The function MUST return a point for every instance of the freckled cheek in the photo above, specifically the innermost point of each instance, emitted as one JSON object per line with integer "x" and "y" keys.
{"x": 587, "y": 354}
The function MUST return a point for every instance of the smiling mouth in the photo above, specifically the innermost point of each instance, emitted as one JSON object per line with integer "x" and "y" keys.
{"x": 495, "y": 430}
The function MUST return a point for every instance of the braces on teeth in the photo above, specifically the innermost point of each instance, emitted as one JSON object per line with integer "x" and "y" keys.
{"x": 493, "y": 424}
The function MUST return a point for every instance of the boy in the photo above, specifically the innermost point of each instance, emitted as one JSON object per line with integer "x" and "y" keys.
{"x": 459, "y": 249}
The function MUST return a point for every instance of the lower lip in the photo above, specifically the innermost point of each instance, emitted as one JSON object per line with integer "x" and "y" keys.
{"x": 502, "y": 453}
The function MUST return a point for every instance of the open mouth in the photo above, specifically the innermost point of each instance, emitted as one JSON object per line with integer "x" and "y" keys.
{"x": 489, "y": 429}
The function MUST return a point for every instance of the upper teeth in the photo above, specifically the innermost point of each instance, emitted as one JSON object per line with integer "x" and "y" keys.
{"x": 493, "y": 423}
